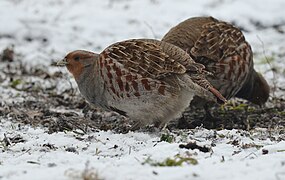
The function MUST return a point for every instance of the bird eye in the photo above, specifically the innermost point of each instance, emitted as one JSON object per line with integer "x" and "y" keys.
{"x": 76, "y": 58}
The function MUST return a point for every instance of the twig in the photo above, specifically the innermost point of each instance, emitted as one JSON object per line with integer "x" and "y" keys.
{"x": 24, "y": 152}
{"x": 130, "y": 150}
{"x": 279, "y": 175}
{"x": 249, "y": 155}
{"x": 151, "y": 29}
{"x": 271, "y": 67}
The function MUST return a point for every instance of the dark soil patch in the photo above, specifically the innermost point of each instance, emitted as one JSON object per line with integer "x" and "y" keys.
{"x": 238, "y": 116}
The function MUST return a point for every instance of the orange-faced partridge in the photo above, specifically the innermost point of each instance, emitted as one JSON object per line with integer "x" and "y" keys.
{"x": 223, "y": 50}
{"x": 147, "y": 80}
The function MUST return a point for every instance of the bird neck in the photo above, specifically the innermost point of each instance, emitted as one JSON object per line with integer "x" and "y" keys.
{"x": 90, "y": 86}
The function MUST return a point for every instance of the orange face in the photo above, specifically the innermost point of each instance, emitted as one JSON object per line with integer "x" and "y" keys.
{"x": 76, "y": 61}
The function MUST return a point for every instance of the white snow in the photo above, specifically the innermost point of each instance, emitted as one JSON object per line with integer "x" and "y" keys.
{"x": 120, "y": 156}
{"x": 44, "y": 31}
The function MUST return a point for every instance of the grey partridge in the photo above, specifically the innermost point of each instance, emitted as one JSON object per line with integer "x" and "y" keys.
{"x": 223, "y": 50}
{"x": 146, "y": 80}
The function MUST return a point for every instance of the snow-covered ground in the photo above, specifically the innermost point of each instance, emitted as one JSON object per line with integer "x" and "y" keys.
{"x": 44, "y": 31}
{"x": 233, "y": 155}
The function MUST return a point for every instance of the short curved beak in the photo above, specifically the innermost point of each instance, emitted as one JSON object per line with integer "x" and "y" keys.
{"x": 62, "y": 62}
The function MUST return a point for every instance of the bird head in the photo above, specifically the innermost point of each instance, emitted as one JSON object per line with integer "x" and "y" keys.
{"x": 260, "y": 91}
{"x": 77, "y": 61}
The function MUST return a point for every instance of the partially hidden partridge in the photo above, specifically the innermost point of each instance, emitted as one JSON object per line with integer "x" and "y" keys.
{"x": 146, "y": 80}
{"x": 223, "y": 50}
